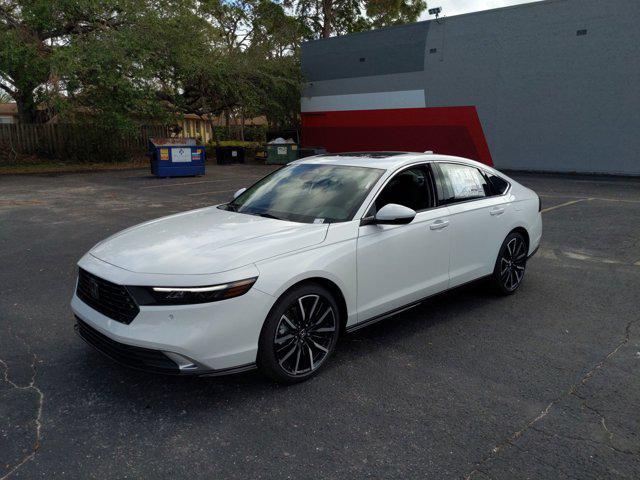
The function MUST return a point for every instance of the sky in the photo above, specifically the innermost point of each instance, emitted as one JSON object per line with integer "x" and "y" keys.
{"x": 456, "y": 7}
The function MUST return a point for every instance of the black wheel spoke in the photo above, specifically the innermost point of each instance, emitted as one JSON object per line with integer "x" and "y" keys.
{"x": 313, "y": 308}
{"x": 289, "y": 322}
{"x": 284, "y": 359}
{"x": 318, "y": 346}
{"x": 311, "y": 365}
{"x": 295, "y": 371}
{"x": 318, "y": 322}
{"x": 323, "y": 330}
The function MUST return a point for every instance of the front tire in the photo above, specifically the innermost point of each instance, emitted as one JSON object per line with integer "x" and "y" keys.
{"x": 511, "y": 264}
{"x": 299, "y": 334}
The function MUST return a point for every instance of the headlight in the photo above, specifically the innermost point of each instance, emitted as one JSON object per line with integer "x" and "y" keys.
{"x": 190, "y": 295}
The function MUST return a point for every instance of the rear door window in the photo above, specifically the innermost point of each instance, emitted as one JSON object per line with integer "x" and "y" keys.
{"x": 459, "y": 183}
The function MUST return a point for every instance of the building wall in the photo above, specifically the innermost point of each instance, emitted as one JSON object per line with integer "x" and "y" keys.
{"x": 547, "y": 98}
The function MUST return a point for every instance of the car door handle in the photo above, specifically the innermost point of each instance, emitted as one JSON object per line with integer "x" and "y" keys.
{"x": 439, "y": 224}
{"x": 497, "y": 211}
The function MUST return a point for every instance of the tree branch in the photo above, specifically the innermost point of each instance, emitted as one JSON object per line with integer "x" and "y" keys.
{"x": 81, "y": 27}
{"x": 6, "y": 14}
{"x": 7, "y": 89}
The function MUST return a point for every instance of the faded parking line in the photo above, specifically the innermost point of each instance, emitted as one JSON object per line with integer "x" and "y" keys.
{"x": 545, "y": 210}
{"x": 622, "y": 200}
{"x": 199, "y": 182}
{"x": 212, "y": 193}
{"x": 559, "y": 253}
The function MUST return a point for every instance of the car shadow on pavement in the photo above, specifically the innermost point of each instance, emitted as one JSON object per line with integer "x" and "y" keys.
{"x": 118, "y": 384}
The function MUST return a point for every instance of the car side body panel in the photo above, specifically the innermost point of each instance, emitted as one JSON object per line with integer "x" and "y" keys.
{"x": 334, "y": 260}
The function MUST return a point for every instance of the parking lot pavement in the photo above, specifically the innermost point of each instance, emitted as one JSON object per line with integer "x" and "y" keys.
{"x": 541, "y": 384}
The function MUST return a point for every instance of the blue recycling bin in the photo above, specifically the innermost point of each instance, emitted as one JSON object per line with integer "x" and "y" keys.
{"x": 176, "y": 157}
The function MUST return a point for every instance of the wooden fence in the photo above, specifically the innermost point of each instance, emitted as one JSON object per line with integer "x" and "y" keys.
{"x": 85, "y": 143}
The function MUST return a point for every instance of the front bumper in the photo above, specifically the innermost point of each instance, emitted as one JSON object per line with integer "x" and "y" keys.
{"x": 204, "y": 339}
{"x": 145, "y": 359}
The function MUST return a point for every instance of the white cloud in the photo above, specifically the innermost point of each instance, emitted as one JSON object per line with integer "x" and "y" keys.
{"x": 456, "y": 7}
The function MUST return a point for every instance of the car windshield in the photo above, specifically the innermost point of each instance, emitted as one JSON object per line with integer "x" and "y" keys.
{"x": 308, "y": 193}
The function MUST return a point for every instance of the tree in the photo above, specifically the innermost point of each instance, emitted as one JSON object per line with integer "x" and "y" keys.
{"x": 32, "y": 31}
{"x": 326, "y": 17}
{"x": 85, "y": 57}
{"x": 247, "y": 64}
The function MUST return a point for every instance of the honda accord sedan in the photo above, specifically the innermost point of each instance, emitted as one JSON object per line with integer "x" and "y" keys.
{"x": 320, "y": 247}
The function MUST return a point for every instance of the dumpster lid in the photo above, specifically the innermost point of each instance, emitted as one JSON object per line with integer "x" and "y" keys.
{"x": 173, "y": 142}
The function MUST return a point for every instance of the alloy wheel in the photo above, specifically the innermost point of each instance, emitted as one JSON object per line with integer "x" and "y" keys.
{"x": 512, "y": 263}
{"x": 305, "y": 334}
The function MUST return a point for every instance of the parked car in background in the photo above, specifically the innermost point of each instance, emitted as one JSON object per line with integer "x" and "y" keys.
{"x": 324, "y": 245}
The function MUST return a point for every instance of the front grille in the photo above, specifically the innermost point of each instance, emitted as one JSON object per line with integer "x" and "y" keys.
{"x": 107, "y": 298}
{"x": 129, "y": 355}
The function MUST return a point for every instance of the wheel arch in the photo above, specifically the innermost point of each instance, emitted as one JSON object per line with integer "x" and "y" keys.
{"x": 327, "y": 283}
{"x": 522, "y": 231}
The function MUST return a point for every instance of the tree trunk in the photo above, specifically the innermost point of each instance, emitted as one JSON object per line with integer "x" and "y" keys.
{"x": 214, "y": 137}
{"x": 227, "y": 120}
{"x": 327, "y": 17}
{"x": 27, "y": 108}
{"x": 242, "y": 124}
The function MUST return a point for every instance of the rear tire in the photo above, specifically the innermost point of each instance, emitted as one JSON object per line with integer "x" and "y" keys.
{"x": 511, "y": 264}
{"x": 299, "y": 334}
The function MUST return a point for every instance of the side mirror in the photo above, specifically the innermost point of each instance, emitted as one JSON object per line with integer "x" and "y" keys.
{"x": 238, "y": 193}
{"x": 394, "y": 214}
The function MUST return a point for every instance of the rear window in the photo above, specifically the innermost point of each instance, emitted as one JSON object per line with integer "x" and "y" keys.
{"x": 499, "y": 184}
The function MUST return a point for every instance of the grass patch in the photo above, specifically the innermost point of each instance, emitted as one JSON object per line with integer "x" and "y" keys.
{"x": 52, "y": 166}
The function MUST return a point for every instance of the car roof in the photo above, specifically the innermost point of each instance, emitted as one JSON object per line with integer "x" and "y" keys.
{"x": 383, "y": 160}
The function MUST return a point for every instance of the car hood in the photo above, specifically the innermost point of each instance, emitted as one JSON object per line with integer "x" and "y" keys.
{"x": 204, "y": 241}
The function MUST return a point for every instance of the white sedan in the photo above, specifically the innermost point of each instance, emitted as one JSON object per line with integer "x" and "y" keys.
{"x": 322, "y": 246}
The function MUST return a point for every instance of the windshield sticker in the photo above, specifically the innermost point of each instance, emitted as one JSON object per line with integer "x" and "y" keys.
{"x": 319, "y": 220}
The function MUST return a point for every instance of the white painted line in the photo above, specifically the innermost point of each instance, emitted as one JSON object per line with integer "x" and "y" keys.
{"x": 551, "y": 254}
{"x": 577, "y": 256}
{"x": 211, "y": 193}
{"x": 183, "y": 183}
{"x": 621, "y": 200}
{"x": 545, "y": 210}
{"x": 202, "y": 181}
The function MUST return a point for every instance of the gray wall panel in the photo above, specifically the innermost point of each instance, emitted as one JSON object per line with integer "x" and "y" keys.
{"x": 379, "y": 52}
{"x": 547, "y": 98}
{"x": 379, "y": 83}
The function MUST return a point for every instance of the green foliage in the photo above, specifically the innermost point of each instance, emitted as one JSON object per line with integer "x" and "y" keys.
{"x": 117, "y": 63}
{"x": 323, "y": 18}
{"x": 384, "y": 13}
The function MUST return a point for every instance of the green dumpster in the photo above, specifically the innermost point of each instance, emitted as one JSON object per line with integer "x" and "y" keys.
{"x": 281, "y": 151}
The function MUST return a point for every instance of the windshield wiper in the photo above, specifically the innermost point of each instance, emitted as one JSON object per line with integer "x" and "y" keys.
{"x": 266, "y": 215}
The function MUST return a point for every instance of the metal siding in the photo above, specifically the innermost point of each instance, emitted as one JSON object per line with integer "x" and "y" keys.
{"x": 386, "y": 51}
{"x": 547, "y": 98}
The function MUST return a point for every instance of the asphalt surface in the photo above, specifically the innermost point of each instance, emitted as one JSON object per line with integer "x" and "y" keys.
{"x": 542, "y": 384}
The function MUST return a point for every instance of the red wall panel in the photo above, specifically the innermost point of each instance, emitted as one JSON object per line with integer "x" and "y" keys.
{"x": 445, "y": 130}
